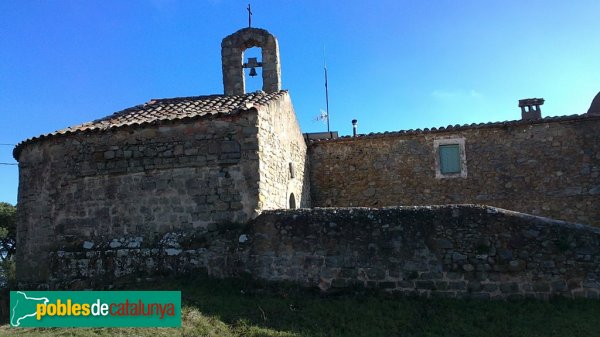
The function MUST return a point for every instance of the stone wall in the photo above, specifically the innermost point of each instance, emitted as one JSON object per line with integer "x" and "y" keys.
{"x": 139, "y": 181}
{"x": 549, "y": 168}
{"x": 99, "y": 262}
{"x": 453, "y": 251}
{"x": 283, "y": 157}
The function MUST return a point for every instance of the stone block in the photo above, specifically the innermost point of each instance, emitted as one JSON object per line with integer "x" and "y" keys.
{"x": 468, "y": 267}
{"x": 474, "y": 286}
{"x": 559, "y": 286}
{"x": 489, "y": 287}
{"x": 387, "y": 285}
{"x": 441, "y": 285}
{"x": 444, "y": 244}
{"x": 109, "y": 155}
{"x": 375, "y": 273}
{"x": 339, "y": 283}
{"x": 458, "y": 257}
{"x": 517, "y": 265}
{"x": 509, "y": 288}
{"x": 429, "y": 285}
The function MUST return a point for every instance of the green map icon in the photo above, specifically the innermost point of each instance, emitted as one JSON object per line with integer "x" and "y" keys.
{"x": 23, "y": 307}
{"x": 102, "y": 309}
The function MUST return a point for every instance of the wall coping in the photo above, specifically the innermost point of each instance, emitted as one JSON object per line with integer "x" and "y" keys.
{"x": 457, "y": 127}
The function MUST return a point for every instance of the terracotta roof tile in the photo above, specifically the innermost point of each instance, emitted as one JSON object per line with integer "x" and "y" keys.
{"x": 167, "y": 109}
{"x": 458, "y": 127}
{"x": 177, "y": 108}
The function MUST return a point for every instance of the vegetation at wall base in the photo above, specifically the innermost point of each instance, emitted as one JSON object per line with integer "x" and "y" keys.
{"x": 8, "y": 230}
{"x": 244, "y": 308}
{"x": 8, "y": 235}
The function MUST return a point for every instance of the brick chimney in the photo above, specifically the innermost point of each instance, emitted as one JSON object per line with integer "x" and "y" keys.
{"x": 530, "y": 108}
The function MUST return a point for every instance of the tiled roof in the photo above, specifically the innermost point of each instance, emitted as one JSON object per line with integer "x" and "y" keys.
{"x": 168, "y": 109}
{"x": 458, "y": 127}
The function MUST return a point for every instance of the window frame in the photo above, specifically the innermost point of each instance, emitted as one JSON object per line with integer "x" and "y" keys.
{"x": 460, "y": 141}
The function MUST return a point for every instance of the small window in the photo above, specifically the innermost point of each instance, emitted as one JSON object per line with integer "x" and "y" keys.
{"x": 450, "y": 158}
{"x": 292, "y": 201}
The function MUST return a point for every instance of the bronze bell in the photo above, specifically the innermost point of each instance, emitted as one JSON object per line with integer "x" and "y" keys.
{"x": 252, "y": 64}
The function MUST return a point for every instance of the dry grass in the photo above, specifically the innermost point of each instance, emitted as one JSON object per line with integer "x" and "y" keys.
{"x": 233, "y": 308}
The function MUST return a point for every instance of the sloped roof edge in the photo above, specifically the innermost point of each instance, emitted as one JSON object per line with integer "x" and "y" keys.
{"x": 158, "y": 111}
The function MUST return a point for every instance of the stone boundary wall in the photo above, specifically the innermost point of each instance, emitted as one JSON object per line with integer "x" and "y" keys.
{"x": 462, "y": 251}
{"x": 453, "y": 251}
{"x": 548, "y": 168}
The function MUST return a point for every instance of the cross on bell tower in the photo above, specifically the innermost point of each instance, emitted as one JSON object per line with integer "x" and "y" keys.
{"x": 249, "y": 16}
{"x": 252, "y": 63}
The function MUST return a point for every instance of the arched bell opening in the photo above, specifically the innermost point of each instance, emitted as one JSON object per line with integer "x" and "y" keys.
{"x": 234, "y": 62}
{"x": 253, "y": 69}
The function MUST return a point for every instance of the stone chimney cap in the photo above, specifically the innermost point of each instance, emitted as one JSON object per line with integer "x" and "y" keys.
{"x": 530, "y": 102}
{"x": 530, "y": 108}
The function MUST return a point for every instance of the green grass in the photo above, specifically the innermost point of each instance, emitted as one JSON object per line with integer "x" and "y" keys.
{"x": 235, "y": 308}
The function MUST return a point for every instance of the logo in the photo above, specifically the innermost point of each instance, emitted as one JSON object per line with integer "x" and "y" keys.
{"x": 95, "y": 308}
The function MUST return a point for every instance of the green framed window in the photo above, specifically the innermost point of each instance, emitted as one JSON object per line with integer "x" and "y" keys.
{"x": 449, "y": 158}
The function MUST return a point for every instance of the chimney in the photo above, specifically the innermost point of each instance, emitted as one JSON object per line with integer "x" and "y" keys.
{"x": 530, "y": 108}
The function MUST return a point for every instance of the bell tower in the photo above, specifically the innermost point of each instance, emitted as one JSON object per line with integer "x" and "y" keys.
{"x": 232, "y": 53}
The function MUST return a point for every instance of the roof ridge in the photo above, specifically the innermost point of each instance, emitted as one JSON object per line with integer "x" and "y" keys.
{"x": 258, "y": 92}
{"x": 458, "y": 127}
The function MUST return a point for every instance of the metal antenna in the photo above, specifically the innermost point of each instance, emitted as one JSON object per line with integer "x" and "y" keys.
{"x": 326, "y": 88}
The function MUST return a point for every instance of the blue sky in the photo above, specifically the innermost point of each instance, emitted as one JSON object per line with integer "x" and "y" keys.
{"x": 392, "y": 65}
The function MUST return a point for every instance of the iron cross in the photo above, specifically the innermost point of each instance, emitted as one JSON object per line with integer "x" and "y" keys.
{"x": 249, "y": 16}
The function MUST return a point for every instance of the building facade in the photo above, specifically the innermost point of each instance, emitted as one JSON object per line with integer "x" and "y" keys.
{"x": 197, "y": 164}
{"x": 547, "y": 167}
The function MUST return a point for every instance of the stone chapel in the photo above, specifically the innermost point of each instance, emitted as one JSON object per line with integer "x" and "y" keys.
{"x": 196, "y": 163}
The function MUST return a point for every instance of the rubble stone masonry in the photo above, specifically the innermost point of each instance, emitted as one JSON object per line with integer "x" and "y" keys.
{"x": 548, "y": 168}
{"x": 205, "y": 184}
{"x": 460, "y": 251}
{"x": 283, "y": 157}
{"x": 134, "y": 181}
{"x": 453, "y": 251}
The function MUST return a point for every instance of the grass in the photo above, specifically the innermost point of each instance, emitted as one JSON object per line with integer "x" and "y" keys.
{"x": 239, "y": 308}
